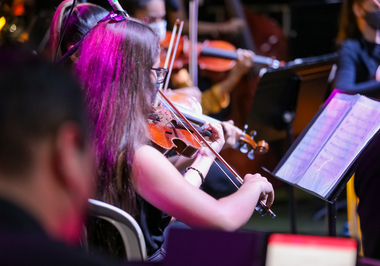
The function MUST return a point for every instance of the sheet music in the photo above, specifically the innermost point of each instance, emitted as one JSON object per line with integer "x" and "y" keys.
{"x": 301, "y": 158}
{"x": 357, "y": 128}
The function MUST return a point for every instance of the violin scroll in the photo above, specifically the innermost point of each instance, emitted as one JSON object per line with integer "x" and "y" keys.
{"x": 247, "y": 144}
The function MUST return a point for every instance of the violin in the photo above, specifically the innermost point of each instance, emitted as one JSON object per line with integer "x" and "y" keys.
{"x": 217, "y": 56}
{"x": 167, "y": 134}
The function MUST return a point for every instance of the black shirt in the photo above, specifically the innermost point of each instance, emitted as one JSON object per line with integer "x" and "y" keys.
{"x": 24, "y": 242}
{"x": 153, "y": 223}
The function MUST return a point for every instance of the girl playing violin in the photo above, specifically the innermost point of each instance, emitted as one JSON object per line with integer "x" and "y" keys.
{"x": 118, "y": 68}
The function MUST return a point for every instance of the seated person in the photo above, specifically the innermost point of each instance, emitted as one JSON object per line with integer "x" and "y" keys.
{"x": 46, "y": 163}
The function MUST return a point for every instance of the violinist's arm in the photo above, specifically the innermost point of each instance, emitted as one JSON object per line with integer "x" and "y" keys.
{"x": 243, "y": 64}
{"x": 158, "y": 182}
{"x": 218, "y": 96}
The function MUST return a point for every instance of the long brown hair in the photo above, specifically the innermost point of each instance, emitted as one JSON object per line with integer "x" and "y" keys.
{"x": 348, "y": 28}
{"x": 114, "y": 66}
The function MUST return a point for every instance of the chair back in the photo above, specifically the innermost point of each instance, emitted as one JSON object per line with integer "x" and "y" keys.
{"x": 127, "y": 226}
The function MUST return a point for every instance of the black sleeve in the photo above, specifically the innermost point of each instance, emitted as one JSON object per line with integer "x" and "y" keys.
{"x": 345, "y": 79}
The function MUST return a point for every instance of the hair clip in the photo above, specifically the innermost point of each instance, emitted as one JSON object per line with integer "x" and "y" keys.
{"x": 116, "y": 15}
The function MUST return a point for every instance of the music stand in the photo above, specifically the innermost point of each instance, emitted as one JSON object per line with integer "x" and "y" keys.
{"x": 286, "y": 99}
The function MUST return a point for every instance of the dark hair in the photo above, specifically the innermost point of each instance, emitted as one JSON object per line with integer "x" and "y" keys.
{"x": 114, "y": 67}
{"x": 83, "y": 18}
{"x": 348, "y": 28}
{"x": 35, "y": 99}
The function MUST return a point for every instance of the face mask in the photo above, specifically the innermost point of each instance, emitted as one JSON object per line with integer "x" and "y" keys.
{"x": 159, "y": 28}
{"x": 373, "y": 19}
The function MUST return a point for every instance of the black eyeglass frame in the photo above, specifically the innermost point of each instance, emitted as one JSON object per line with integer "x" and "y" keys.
{"x": 159, "y": 72}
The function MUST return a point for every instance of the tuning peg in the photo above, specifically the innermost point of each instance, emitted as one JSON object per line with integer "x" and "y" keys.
{"x": 245, "y": 128}
{"x": 253, "y": 134}
{"x": 244, "y": 148}
{"x": 251, "y": 154}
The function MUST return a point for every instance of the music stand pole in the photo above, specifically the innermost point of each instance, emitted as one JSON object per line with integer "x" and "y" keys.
{"x": 331, "y": 217}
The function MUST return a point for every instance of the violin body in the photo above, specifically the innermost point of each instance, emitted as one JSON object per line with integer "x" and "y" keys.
{"x": 168, "y": 134}
{"x": 167, "y": 138}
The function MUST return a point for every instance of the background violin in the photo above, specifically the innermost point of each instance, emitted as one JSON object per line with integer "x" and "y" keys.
{"x": 218, "y": 56}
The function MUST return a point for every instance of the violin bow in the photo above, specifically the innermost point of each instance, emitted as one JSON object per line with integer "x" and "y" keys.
{"x": 170, "y": 52}
{"x": 261, "y": 206}
{"x": 193, "y": 34}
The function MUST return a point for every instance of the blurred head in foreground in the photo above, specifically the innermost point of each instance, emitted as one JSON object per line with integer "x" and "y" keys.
{"x": 45, "y": 156}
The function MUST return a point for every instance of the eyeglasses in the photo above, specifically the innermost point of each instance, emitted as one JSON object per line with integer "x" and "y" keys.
{"x": 161, "y": 74}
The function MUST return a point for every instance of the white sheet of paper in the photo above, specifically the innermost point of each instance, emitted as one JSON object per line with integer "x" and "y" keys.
{"x": 302, "y": 156}
{"x": 357, "y": 128}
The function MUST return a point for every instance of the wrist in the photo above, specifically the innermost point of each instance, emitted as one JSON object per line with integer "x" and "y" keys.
{"x": 198, "y": 171}
{"x": 205, "y": 157}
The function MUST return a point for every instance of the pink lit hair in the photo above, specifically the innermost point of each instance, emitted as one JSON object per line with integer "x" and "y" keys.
{"x": 115, "y": 69}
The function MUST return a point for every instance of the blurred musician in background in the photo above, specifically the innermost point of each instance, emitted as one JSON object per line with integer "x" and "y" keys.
{"x": 359, "y": 53}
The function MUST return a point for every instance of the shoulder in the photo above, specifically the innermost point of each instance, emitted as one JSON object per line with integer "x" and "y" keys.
{"x": 148, "y": 162}
{"x": 146, "y": 152}
{"x": 351, "y": 50}
{"x": 351, "y": 46}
